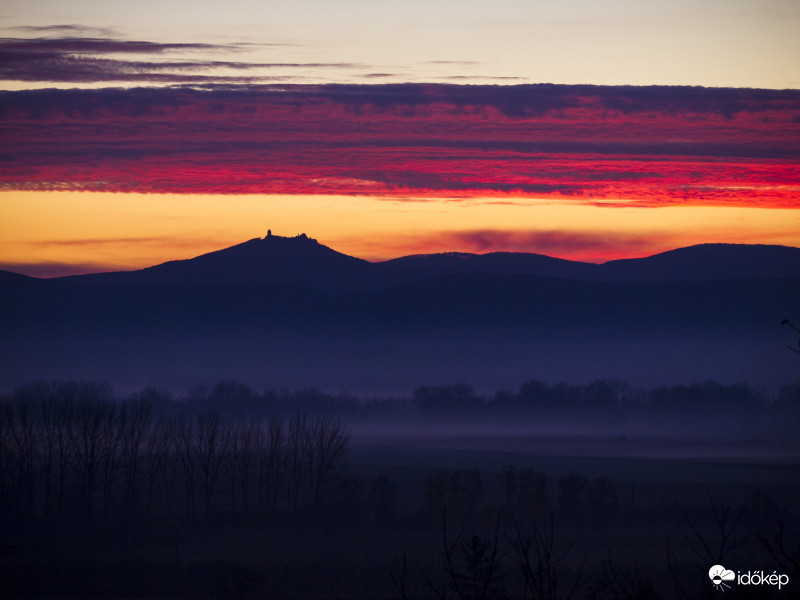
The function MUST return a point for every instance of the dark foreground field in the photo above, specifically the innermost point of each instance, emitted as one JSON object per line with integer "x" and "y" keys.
{"x": 432, "y": 516}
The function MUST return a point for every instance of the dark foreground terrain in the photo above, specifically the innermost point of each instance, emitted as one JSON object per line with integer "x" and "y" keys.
{"x": 148, "y": 497}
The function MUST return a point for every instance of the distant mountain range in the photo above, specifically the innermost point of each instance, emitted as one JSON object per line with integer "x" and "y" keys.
{"x": 302, "y": 261}
{"x": 706, "y": 262}
{"x": 298, "y": 289}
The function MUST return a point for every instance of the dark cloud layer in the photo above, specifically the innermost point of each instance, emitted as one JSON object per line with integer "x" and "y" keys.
{"x": 649, "y": 146}
{"x": 97, "y": 59}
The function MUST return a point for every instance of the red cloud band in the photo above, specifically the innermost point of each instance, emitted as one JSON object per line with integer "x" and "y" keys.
{"x": 649, "y": 146}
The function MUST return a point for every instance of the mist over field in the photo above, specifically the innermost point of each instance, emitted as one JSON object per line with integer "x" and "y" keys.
{"x": 388, "y": 371}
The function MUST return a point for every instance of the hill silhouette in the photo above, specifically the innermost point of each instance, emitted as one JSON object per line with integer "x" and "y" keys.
{"x": 293, "y": 261}
{"x": 704, "y": 262}
{"x": 302, "y": 261}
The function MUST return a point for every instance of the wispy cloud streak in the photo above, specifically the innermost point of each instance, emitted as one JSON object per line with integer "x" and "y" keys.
{"x": 57, "y": 269}
{"x": 591, "y": 246}
{"x": 104, "y": 59}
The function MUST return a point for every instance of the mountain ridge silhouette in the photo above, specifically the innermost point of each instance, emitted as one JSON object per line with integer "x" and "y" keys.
{"x": 302, "y": 261}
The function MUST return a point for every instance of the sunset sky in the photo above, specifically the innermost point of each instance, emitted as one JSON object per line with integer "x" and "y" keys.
{"x": 134, "y": 133}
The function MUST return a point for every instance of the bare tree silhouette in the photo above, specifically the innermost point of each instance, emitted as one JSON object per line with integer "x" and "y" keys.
{"x": 713, "y": 550}
{"x": 94, "y": 417}
{"x": 183, "y": 441}
{"x": 158, "y": 459}
{"x": 623, "y": 584}
{"x": 134, "y": 436}
{"x": 329, "y": 448}
{"x": 6, "y": 455}
{"x": 113, "y": 428}
{"x": 788, "y": 324}
{"x": 298, "y": 456}
{"x": 244, "y": 440}
{"x": 712, "y": 545}
{"x": 23, "y": 435}
{"x": 273, "y": 460}
{"x": 472, "y": 568}
{"x": 209, "y": 450}
{"x": 785, "y": 552}
{"x": 543, "y": 565}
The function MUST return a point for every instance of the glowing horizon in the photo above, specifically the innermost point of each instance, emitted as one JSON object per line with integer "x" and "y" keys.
{"x": 61, "y": 233}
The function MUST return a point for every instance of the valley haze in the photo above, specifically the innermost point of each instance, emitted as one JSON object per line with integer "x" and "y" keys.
{"x": 290, "y": 312}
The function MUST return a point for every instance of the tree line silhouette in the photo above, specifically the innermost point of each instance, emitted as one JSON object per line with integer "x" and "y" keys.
{"x": 71, "y": 448}
{"x": 611, "y": 399}
{"x": 618, "y": 401}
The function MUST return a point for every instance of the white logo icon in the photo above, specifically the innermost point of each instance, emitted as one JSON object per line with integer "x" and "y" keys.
{"x": 719, "y": 575}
